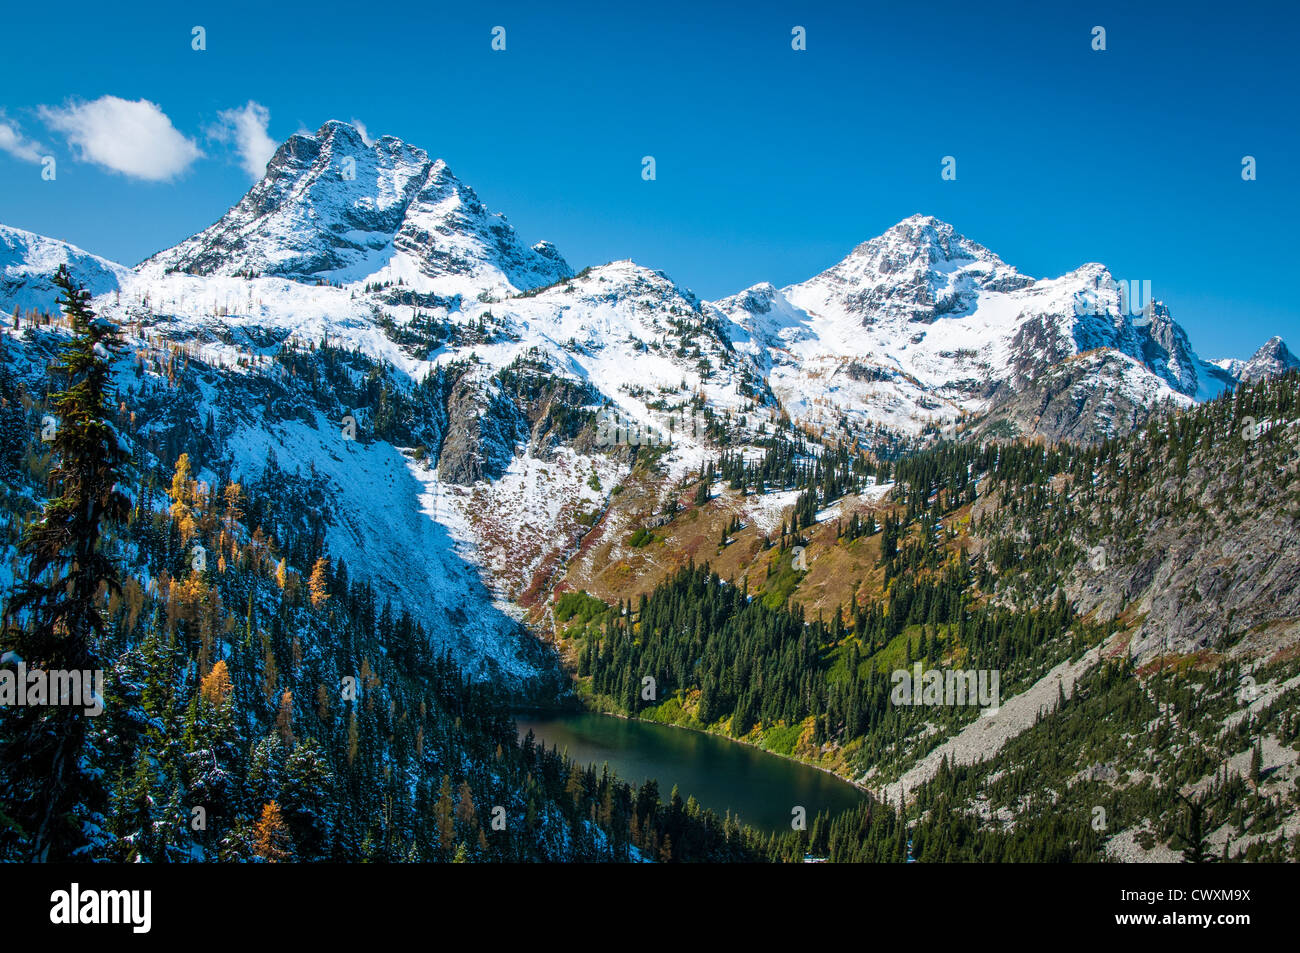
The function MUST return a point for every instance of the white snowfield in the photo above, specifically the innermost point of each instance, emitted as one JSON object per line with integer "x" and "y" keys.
{"x": 386, "y": 532}
{"x": 28, "y": 260}
{"x": 342, "y": 238}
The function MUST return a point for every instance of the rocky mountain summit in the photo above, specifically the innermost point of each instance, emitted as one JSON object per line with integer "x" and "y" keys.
{"x": 1273, "y": 358}
{"x": 334, "y": 207}
{"x": 924, "y": 328}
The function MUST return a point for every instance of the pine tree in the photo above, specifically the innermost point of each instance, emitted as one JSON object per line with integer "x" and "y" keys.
{"x": 53, "y": 622}
{"x": 139, "y": 812}
{"x": 308, "y": 783}
{"x": 1194, "y": 839}
{"x": 12, "y": 437}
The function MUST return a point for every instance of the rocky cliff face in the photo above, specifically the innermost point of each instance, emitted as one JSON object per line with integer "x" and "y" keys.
{"x": 483, "y": 429}
{"x": 1184, "y": 530}
{"x": 1211, "y": 545}
{"x": 1083, "y": 399}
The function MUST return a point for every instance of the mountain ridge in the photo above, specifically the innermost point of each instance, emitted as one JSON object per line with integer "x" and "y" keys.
{"x": 503, "y": 357}
{"x": 402, "y": 218}
{"x": 28, "y": 262}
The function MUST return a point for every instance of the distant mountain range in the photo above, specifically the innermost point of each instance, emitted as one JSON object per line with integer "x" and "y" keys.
{"x": 918, "y": 328}
{"x": 376, "y": 249}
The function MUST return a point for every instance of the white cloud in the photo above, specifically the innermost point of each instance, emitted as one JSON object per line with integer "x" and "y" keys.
{"x": 134, "y": 138}
{"x": 246, "y": 128}
{"x": 16, "y": 144}
{"x": 361, "y": 128}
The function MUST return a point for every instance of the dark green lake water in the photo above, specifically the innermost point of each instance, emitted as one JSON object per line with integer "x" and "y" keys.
{"x": 761, "y": 788}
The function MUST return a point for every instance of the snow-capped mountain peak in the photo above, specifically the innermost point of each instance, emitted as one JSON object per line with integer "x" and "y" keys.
{"x": 334, "y": 207}
{"x": 509, "y": 353}
{"x": 1271, "y": 359}
{"x": 922, "y": 326}
{"x": 916, "y": 271}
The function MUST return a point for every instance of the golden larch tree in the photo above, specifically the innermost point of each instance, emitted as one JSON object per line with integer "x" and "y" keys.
{"x": 216, "y": 687}
{"x": 318, "y": 584}
{"x": 182, "y": 493}
{"x": 271, "y": 838}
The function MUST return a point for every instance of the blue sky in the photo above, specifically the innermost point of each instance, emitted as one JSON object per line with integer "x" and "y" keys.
{"x": 771, "y": 164}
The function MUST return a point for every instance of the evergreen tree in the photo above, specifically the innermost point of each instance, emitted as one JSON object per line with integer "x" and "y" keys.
{"x": 12, "y": 416}
{"x": 308, "y": 784}
{"x": 53, "y": 622}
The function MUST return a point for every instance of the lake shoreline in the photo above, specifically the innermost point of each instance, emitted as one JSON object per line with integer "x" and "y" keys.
{"x": 862, "y": 789}
{"x": 747, "y": 744}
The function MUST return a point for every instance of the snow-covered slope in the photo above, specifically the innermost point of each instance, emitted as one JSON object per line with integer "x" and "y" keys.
{"x": 635, "y": 335}
{"x": 922, "y": 326}
{"x": 28, "y": 261}
{"x": 631, "y": 340}
{"x": 332, "y": 207}
{"x": 420, "y": 279}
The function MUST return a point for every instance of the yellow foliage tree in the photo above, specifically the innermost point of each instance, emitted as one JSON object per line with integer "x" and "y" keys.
{"x": 354, "y": 738}
{"x": 271, "y": 839}
{"x": 133, "y": 594}
{"x": 181, "y": 483}
{"x": 466, "y": 815}
{"x": 318, "y": 584}
{"x": 270, "y": 676}
{"x": 182, "y": 492}
{"x": 216, "y": 687}
{"x": 444, "y": 811}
